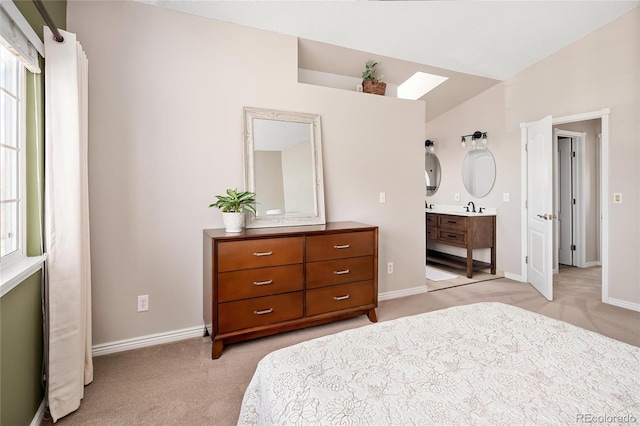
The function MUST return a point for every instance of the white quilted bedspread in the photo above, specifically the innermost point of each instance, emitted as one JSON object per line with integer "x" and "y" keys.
{"x": 485, "y": 363}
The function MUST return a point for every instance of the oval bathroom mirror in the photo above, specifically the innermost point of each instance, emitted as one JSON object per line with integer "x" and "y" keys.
{"x": 432, "y": 172}
{"x": 478, "y": 172}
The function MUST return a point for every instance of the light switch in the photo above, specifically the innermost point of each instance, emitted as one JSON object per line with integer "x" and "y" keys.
{"x": 617, "y": 197}
{"x": 505, "y": 197}
{"x": 383, "y": 197}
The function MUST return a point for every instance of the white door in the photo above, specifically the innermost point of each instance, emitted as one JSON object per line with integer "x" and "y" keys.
{"x": 539, "y": 210}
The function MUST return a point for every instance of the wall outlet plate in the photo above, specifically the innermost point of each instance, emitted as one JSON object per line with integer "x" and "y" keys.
{"x": 456, "y": 196}
{"x": 143, "y": 303}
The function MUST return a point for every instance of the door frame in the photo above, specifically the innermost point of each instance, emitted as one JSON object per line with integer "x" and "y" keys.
{"x": 603, "y": 115}
{"x": 579, "y": 209}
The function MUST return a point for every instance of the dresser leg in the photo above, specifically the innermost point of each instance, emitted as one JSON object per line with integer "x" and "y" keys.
{"x": 372, "y": 315}
{"x": 216, "y": 349}
{"x": 469, "y": 262}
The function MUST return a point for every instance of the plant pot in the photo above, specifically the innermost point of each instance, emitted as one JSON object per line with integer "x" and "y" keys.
{"x": 233, "y": 221}
{"x": 375, "y": 87}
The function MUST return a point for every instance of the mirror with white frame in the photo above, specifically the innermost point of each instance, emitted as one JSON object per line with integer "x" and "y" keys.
{"x": 432, "y": 172}
{"x": 283, "y": 166}
{"x": 478, "y": 172}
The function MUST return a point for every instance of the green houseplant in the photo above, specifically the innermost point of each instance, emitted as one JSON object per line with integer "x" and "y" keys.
{"x": 233, "y": 205}
{"x": 370, "y": 82}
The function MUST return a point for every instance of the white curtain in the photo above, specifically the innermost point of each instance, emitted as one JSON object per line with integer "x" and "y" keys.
{"x": 69, "y": 363}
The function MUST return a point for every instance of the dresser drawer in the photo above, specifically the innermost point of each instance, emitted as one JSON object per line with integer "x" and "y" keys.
{"x": 431, "y": 220}
{"x": 452, "y": 222}
{"x": 453, "y": 238}
{"x": 338, "y": 297}
{"x": 432, "y": 234}
{"x": 337, "y": 246}
{"x": 259, "y": 282}
{"x": 331, "y": 272}
{"x": 259, "y": 311}
{"x": 236, "y": 255}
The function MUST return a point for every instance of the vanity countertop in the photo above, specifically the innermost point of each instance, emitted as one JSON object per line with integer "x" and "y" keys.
{"x": 460, "y": 210}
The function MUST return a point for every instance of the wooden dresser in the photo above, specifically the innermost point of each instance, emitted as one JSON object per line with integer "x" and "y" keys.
{"x": 469, "y": 232}
{"x": 271, "y": 280}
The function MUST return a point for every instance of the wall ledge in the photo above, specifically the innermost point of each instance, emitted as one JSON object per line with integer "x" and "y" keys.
{"x": 17, "y": 272}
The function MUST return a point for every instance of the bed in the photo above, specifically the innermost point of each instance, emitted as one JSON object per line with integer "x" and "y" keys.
{"x": 484, "y": 363}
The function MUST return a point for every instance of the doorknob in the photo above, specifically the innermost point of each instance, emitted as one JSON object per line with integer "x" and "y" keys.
{"x": 547, "y": 216}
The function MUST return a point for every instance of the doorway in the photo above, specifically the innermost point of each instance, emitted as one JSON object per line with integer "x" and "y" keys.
{"x": 589, "y": 171}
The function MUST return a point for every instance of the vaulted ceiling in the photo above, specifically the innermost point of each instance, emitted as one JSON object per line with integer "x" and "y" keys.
{"x": 475, "y": 43}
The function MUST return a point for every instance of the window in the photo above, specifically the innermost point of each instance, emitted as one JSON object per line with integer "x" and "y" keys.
{"x": 11, "y": 156}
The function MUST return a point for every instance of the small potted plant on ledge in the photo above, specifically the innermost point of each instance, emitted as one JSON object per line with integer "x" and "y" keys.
{"x": 371, "y": 83}
{"x": 233, "y": 205}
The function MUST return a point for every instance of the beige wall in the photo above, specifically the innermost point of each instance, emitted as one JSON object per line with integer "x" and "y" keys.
{"x": 166, "y": 94}
{"x": 599, "y": 71}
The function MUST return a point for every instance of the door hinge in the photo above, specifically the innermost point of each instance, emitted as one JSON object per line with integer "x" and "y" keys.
{"x": 526, "y": 259}
{"x": 573, "y": 247}
{"x": 573, "y": 154}
{"x": 526, "y": 204}
{"x": 573, "y": 201}
{"x": 526, "y": 147}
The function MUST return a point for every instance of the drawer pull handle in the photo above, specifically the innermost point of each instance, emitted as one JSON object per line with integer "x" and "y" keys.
{"x": 341, "y": 246}
{"x": 345, "y": 297}
{"x": 346, "y": 271}
{"x": 451, "y": 236}
{"x": 265, "y": 311}
{"x": 452, "y": 221}
{"x": 262, "y": 282}
{"x": 264, "y": 253}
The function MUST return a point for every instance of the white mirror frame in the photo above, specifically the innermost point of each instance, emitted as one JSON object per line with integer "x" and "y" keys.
{"x": 249, "y": 114}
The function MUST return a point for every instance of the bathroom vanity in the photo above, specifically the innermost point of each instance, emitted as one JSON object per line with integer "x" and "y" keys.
{"x": 465, "y": 230}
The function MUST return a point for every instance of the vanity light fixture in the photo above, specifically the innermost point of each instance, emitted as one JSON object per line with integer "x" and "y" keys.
{"x": 475, "y": 136}
{"x": 430, "y": 144}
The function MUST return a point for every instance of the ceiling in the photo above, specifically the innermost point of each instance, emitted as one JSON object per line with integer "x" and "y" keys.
{"x": 476, "y": 43}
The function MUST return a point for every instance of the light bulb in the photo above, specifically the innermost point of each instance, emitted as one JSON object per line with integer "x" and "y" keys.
{"x": 464, "y": 144}
{"x": 432, "y": 148}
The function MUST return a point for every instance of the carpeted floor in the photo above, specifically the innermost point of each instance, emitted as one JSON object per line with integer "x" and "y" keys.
{"x": 179, "y": 383}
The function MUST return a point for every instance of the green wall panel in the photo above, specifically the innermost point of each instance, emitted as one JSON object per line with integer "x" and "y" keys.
{"x": 21, "y": 348}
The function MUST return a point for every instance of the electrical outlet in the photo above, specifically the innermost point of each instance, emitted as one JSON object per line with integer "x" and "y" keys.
{"x": 143, "y": 303}
{"x": 505, "y": 197}
{"x": 617, "y": 197}
{"x": 457, "y": 196}
{"x": 390, "y": 268}
{"x": 383, "y": 197}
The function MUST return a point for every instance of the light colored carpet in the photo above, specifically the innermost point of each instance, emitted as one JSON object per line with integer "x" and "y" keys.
{"x": 435, "y": 274}
{"x": 179, "y": 384}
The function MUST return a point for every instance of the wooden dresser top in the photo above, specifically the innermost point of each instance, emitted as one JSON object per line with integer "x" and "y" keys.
{"x": 289, "y": 230}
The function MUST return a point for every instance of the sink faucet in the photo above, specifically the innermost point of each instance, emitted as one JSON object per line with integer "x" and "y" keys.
{"x": 473, "y": 206}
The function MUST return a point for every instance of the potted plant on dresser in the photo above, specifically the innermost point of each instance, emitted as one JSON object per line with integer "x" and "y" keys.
{"x": 371, "y": 83}
{"x": 233, "y": 205}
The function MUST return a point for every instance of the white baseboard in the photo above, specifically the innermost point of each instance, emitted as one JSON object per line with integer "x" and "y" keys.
{"x": 149, "y": 340}
{"x": 37, "y": 419}
{"x": 623, "y": 304}
{"x": 592, "y": 264}
{"x": 402, "y": 293}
